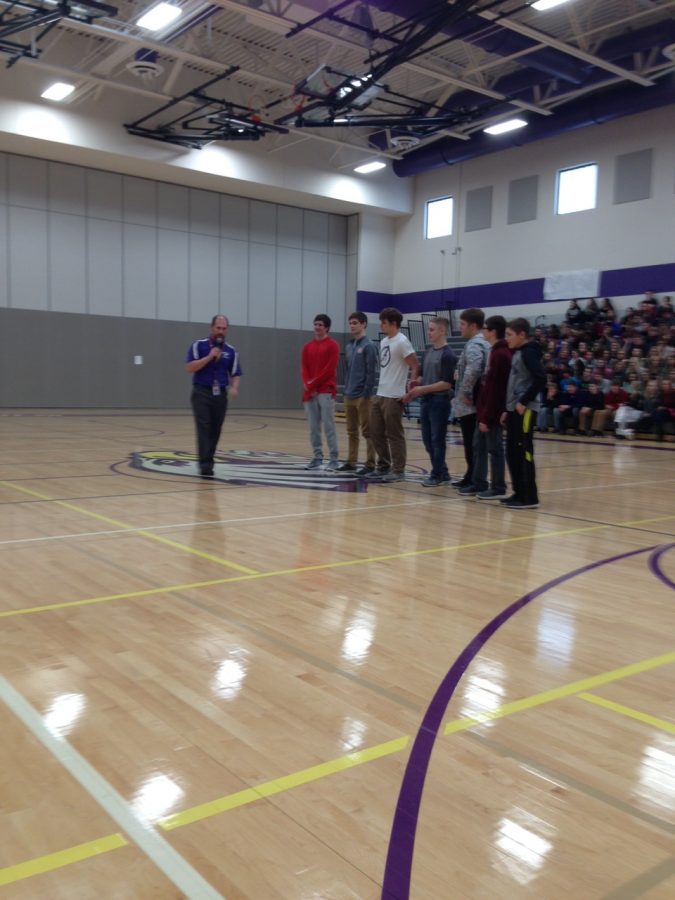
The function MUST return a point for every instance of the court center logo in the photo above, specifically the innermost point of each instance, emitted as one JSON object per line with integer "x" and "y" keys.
{"x": 250, "y": 467}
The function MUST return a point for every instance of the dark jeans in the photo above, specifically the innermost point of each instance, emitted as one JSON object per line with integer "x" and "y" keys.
{"x": 434, "y": 412}
{"x": 488, "y": 443}
{"x": 209, "y": 415}
{"x": 520, "y": 455}
{"x": 468, "y": 426}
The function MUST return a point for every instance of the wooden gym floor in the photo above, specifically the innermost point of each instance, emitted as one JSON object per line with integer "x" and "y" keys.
{"x": 285, "y": 685}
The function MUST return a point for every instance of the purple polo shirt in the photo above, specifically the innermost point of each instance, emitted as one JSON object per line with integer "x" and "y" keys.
{"x": 220, "y": 371}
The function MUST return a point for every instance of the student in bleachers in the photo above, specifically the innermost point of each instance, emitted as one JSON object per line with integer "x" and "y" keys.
{"x": 566, "y": 414}
{"x": 591, "y": 422}
{"x": 549, "y": 403}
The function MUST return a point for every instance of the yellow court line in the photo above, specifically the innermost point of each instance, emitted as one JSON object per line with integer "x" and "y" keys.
{"x": 62, "y": 858}
{"x": 279, "y": 785}
{"x": 314, "y": 773}
{"x": 255, "y": 576}
{"x": 125, "y": 527}
{"x": 661, "y": 724}
{"x": 567, "y": 690}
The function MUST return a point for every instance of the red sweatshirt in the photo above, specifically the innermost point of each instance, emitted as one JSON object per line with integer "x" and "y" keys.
{"x": 319, "y": 367}
{"x": 614, "y": 399}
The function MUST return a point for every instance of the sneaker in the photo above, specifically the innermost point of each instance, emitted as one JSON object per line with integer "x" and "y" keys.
{"x": 431, "y": 482}
{"x": 468, "y": 491}
{"x": 509, "y": 499}
{"x": 460, "y": 483}
{"x": 382, "y": 470}
{"x": 364, "y": 471}
{"x": 333, "y": 465}
{"x": 519, "y": 504}
{"x": 393, "y": 476}
{"x": 492, "y": 494}
{"x": 346, "y": 467}
{"x": 315, "y": 463}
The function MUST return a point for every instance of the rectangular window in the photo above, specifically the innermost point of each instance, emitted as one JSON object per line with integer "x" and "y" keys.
{"x": 438, "y": 219}
{"x": 577, "y": 189}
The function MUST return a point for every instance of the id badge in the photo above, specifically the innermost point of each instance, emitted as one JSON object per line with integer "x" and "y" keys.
{"x": 216, "y": 389}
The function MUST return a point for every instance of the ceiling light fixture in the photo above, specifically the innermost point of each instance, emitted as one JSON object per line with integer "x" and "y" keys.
{"x": 159, "y": 16}
{"x": 58, "y": 91}
{"x": 503, "y": 127}
{"x": 543, "y": 5}
{"x": 370, "y": 167}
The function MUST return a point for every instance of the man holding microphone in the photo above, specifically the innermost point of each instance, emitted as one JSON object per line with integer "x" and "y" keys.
{"x": 214, "y": 366}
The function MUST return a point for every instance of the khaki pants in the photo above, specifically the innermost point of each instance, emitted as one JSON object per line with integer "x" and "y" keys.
{"x": 386, "y": 431}
{"x": 357, "y": 416}
{"x": 598, "y": 419}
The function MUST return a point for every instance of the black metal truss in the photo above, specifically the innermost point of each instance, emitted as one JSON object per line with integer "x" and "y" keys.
{"x": 408, "y": 38}
{"x": 209, "y": 119}
{"x": 21, "y": 15}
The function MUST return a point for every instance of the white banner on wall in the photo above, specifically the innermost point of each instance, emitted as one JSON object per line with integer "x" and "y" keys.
{"x": 571, "y": 285}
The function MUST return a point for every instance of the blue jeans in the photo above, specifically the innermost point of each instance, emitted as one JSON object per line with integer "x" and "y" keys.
{"x": 488, "y": 443}
{"x": 434, "y": 412}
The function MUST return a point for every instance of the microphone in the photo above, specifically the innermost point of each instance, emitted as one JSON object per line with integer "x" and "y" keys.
{"x": 219, "y": 341}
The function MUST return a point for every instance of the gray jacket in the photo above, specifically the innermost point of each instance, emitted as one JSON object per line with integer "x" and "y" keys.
{"x": 527, "y": 378}
{"x": 470, "y": 369}
{"x": 361, "y": 359}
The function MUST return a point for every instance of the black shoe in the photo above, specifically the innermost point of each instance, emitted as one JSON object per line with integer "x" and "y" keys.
{"x": 519, "y": 504}
{"x": 364, "y": 471}
{"x": 460, "y": 483}
{"x": 382, "y": 470}
{"x": 346, "y": 467}
{"x": 468, "y": 491}
{"x": 509, "y": 499}
{"x": 206, "y": 473}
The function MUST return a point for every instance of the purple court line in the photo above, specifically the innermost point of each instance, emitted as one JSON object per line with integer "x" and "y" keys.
{"x": 398, "y": 867}
{"x": 655, "y": 565}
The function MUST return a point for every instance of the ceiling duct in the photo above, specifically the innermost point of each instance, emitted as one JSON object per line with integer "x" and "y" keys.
{"x": 596, "y": 109}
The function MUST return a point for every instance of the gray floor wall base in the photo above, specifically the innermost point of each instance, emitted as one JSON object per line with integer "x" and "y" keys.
{"x": 71, "y": 360}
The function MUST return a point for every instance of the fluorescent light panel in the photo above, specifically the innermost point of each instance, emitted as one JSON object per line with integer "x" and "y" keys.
{"x": 159, "y": 16}
{"x": 370, "y": 167}
{"x": 543, "y": 5}
{"x": 503, "y": 127}
{"x": 58, "y": 91}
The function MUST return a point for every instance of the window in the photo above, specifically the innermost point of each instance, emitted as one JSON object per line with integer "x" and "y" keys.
{"x": 577, "y": 189}
{"x": 438, "y": 217}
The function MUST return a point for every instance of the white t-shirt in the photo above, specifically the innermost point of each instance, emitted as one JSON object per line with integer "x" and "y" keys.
{"x": 393, "y": 369}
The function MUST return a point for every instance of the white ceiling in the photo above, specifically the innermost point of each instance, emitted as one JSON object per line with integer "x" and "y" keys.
{"x": 98, "y": 58}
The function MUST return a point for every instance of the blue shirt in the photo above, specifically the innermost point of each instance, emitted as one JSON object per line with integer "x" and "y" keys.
{"x": 217, "y": 371}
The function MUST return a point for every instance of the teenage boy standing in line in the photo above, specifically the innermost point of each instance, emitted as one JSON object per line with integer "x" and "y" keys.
{"x": 470, "y": 368}
{"x": 397, "y": 358}
{"x": 488, "y": 438}
{"x": 526, "y": 381}
{"x": 319, "y": 378}
{"x": 438, "y": 373}
{"x": 361, "y": 359}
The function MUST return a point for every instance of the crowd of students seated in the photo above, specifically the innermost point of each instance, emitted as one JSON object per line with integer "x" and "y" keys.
{"x": 609, "y": 371}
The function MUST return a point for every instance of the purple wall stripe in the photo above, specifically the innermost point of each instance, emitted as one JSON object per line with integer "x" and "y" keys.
{"x": 398, "y": 867}
{"x": 613, "y": 283}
